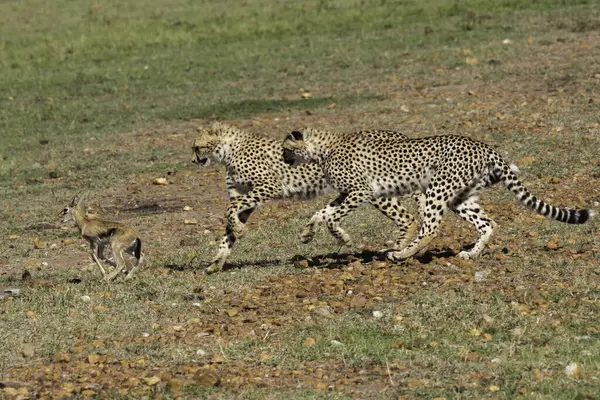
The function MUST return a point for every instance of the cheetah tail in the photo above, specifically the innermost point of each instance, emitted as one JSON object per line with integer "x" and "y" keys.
{"x": 507, "y": 174}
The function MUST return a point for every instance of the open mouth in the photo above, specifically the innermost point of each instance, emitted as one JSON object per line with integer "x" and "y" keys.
{"x": 203, "y": 161}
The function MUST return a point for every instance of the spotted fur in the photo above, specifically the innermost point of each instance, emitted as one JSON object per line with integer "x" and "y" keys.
{"x": 257, "y": 173}
{"x": 449, "y": 170}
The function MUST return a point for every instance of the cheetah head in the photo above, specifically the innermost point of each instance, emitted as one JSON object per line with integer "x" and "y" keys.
{"x": 208, "y": 146}
{"x": 299, "y": 146}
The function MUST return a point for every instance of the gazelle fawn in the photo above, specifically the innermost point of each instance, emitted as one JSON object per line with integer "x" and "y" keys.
{"x": 99, "y": 233}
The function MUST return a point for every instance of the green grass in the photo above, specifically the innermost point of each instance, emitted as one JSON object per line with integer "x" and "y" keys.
{"x": 105, "y": 96}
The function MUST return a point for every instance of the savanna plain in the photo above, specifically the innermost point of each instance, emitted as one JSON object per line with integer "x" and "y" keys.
{"x": 107, "y": 96}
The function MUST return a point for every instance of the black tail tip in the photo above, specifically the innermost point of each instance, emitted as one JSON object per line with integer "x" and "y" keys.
{"x": 585, "y": 215}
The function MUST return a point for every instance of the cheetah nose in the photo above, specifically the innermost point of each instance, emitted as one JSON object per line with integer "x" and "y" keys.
{"x": 288, "y": 157}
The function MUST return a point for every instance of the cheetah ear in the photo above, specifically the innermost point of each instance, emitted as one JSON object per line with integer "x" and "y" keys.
{"x": 297, "y": 135}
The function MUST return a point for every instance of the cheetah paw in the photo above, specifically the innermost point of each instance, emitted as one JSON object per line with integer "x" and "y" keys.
{"x": 307, "y": 237}
{"x": 239, "y": 230}
{"x": 396, "y": 256}
{"x": 345, "y": 241}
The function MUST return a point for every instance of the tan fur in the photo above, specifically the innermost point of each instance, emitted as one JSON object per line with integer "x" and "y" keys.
{"x": 99, "y": 233}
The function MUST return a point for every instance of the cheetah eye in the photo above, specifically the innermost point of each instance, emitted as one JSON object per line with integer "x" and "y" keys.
{"x": 296, "y": 135}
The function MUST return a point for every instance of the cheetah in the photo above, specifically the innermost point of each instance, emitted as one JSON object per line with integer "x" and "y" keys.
{"x": 449, "y": 170}
{"x": 257, "y": 173}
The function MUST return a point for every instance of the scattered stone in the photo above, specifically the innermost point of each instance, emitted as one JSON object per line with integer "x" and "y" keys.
{"x": 377, "y": 314}
{"x": 573, "y": 369}
{"x": 160, "y": 181}
{"x": 61, "y": 357}
{"x": 232, "y": 312}
{"x": 187, "y": 208}
{"x": 85, "y": 298}
{"x": 217, "y": 359}
{"x": 93, "y": 358}
{"x": 207, "y": 378}
{"x": 151, "y": 381}
{"x": 6, "y": 292}
{"x": 323, "y": 311}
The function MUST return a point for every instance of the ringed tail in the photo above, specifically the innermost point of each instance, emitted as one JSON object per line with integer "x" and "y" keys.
{"x": 507, "y": 174}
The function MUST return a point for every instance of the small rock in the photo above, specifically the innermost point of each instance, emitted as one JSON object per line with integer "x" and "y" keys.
{"x": 323, "y": 312}
{"x": 151, "y": 381}
{"x": 61, "y": 357}
{"x": 506, "y": 41}
{"x": 200, "y": 353}
{"x": 187, "y": 208}
{"x": 217, "y": 359}
{"x": 6, "y": 292}
{"x": 207, "y": 378}
{"x": 232, "y": 312}
{"x": 192, "y": 221}
{"x": 377, "y": 314}
{"x": 93, "y": 358}
{"x": 573, "y": 369}
{"x": 480, "y": 276}
{"x": 160, "y": 181}
{"x": 85, "y": 298}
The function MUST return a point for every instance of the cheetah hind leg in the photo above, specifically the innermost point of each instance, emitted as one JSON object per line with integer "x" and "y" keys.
{"x": 405, "y": 222}
{"x": 431, "y": 216}
{"x": 471, "y": 211}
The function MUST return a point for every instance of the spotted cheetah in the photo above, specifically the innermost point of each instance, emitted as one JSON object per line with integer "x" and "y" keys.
{"x": 449, "y": 170}
{"x": 256, "y": 173}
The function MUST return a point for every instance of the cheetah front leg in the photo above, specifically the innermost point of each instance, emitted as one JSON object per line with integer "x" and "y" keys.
{"x": 226, "y": 244}
{"x": 352, "y": 201}
{"x": 237, "y": 214}
{"x": 320, "y": 216}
